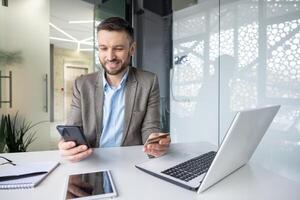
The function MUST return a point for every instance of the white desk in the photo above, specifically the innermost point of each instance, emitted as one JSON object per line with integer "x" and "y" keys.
{"x": 250, "y": 182}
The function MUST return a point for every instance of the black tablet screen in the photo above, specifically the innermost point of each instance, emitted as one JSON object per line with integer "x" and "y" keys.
{"x": 89, "y": 184}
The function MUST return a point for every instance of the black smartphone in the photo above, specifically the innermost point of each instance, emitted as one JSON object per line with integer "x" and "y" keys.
{"x": 73, "y": 133}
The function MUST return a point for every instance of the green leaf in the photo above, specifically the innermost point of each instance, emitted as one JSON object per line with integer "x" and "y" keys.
{"x": 2, "y": 134}
{"x": 19, "y": 133}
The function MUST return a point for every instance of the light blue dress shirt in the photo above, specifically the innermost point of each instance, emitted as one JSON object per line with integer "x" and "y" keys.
{"x": 113, "y": 113}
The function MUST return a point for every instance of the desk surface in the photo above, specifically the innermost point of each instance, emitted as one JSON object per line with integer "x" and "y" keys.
{"x": 249, "y": 182}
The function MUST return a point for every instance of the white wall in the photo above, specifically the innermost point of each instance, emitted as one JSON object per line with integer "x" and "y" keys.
{"x": 25, "y": 28}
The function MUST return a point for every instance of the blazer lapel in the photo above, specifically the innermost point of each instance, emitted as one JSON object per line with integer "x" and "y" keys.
{"x": 99, "y": 107}
{"x": 130, "y": 90}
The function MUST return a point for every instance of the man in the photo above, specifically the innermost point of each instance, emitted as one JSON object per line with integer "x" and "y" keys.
{"x": 119, "y": 106}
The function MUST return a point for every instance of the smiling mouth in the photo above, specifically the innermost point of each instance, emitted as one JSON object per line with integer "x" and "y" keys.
{"x": 112, "y": 63}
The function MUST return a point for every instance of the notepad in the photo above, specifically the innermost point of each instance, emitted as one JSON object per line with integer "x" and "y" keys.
{"x": 26, "y": 175}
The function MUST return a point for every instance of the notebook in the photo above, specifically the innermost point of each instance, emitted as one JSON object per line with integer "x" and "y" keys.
{"x": 27, "y": 175}
{"x": 196, "y": 169}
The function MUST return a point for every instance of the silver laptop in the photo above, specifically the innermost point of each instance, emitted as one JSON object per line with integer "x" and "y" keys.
{"x": 194, "y": 169}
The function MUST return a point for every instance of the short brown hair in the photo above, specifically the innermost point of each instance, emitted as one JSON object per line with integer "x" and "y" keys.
{"x": 116, "y": 24}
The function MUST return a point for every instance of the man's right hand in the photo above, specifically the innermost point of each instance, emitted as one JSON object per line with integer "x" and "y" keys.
{"x": 73, "y": 153}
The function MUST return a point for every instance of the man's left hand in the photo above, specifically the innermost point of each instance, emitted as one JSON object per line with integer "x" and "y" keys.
{"x": 159, "y": 148}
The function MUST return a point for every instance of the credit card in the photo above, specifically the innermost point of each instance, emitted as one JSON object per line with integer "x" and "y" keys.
{"x": 156, "y": 139}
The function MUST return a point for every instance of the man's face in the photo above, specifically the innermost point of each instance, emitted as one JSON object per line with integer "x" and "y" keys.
{"x": 115, "y": 50}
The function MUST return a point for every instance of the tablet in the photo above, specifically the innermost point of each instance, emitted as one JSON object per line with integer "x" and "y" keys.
{"x": 91, "y": 185}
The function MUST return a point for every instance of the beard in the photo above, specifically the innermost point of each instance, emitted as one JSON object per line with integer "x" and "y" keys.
{"x": 117, "y": 70}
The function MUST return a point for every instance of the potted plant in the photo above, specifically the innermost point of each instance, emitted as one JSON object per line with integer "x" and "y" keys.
{"x": 16, "y": 133}
{"x": 2, "y": 133}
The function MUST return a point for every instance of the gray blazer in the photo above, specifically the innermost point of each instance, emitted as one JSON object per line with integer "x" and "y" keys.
{"x": 142, "y": 115}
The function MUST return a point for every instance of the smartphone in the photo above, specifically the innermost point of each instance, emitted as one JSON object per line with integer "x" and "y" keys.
{"x": 73, "y": 133}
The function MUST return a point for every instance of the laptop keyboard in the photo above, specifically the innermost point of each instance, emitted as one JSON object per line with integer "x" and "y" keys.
{"x": 192, "y": 168}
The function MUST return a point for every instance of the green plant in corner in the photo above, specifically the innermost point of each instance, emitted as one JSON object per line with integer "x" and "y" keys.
{"x": 2, "y": 133}
{"x": 19, "y": 134}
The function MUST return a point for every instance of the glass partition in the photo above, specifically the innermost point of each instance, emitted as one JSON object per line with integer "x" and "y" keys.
{"x": 194, "y": 77}
{"x": 235, "y": 55}
{"x": 24, "y": 50}
{"x": 261, "y": 67}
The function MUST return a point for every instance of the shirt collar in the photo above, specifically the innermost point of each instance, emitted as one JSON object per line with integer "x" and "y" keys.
{"x": 122, "y": 82}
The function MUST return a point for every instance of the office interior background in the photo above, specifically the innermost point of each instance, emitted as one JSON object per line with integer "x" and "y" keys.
{"x": 212, "y": 57}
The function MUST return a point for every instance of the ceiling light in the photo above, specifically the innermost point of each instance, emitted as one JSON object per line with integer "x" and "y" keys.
{"x": 62, "y": 39}
{"x": 63, "y": 32}
{"x": 67, "y": 40}
{"x": 85, "y": 49}
{"x": 87, "y": 39}
{"x": 81, "y": 21}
